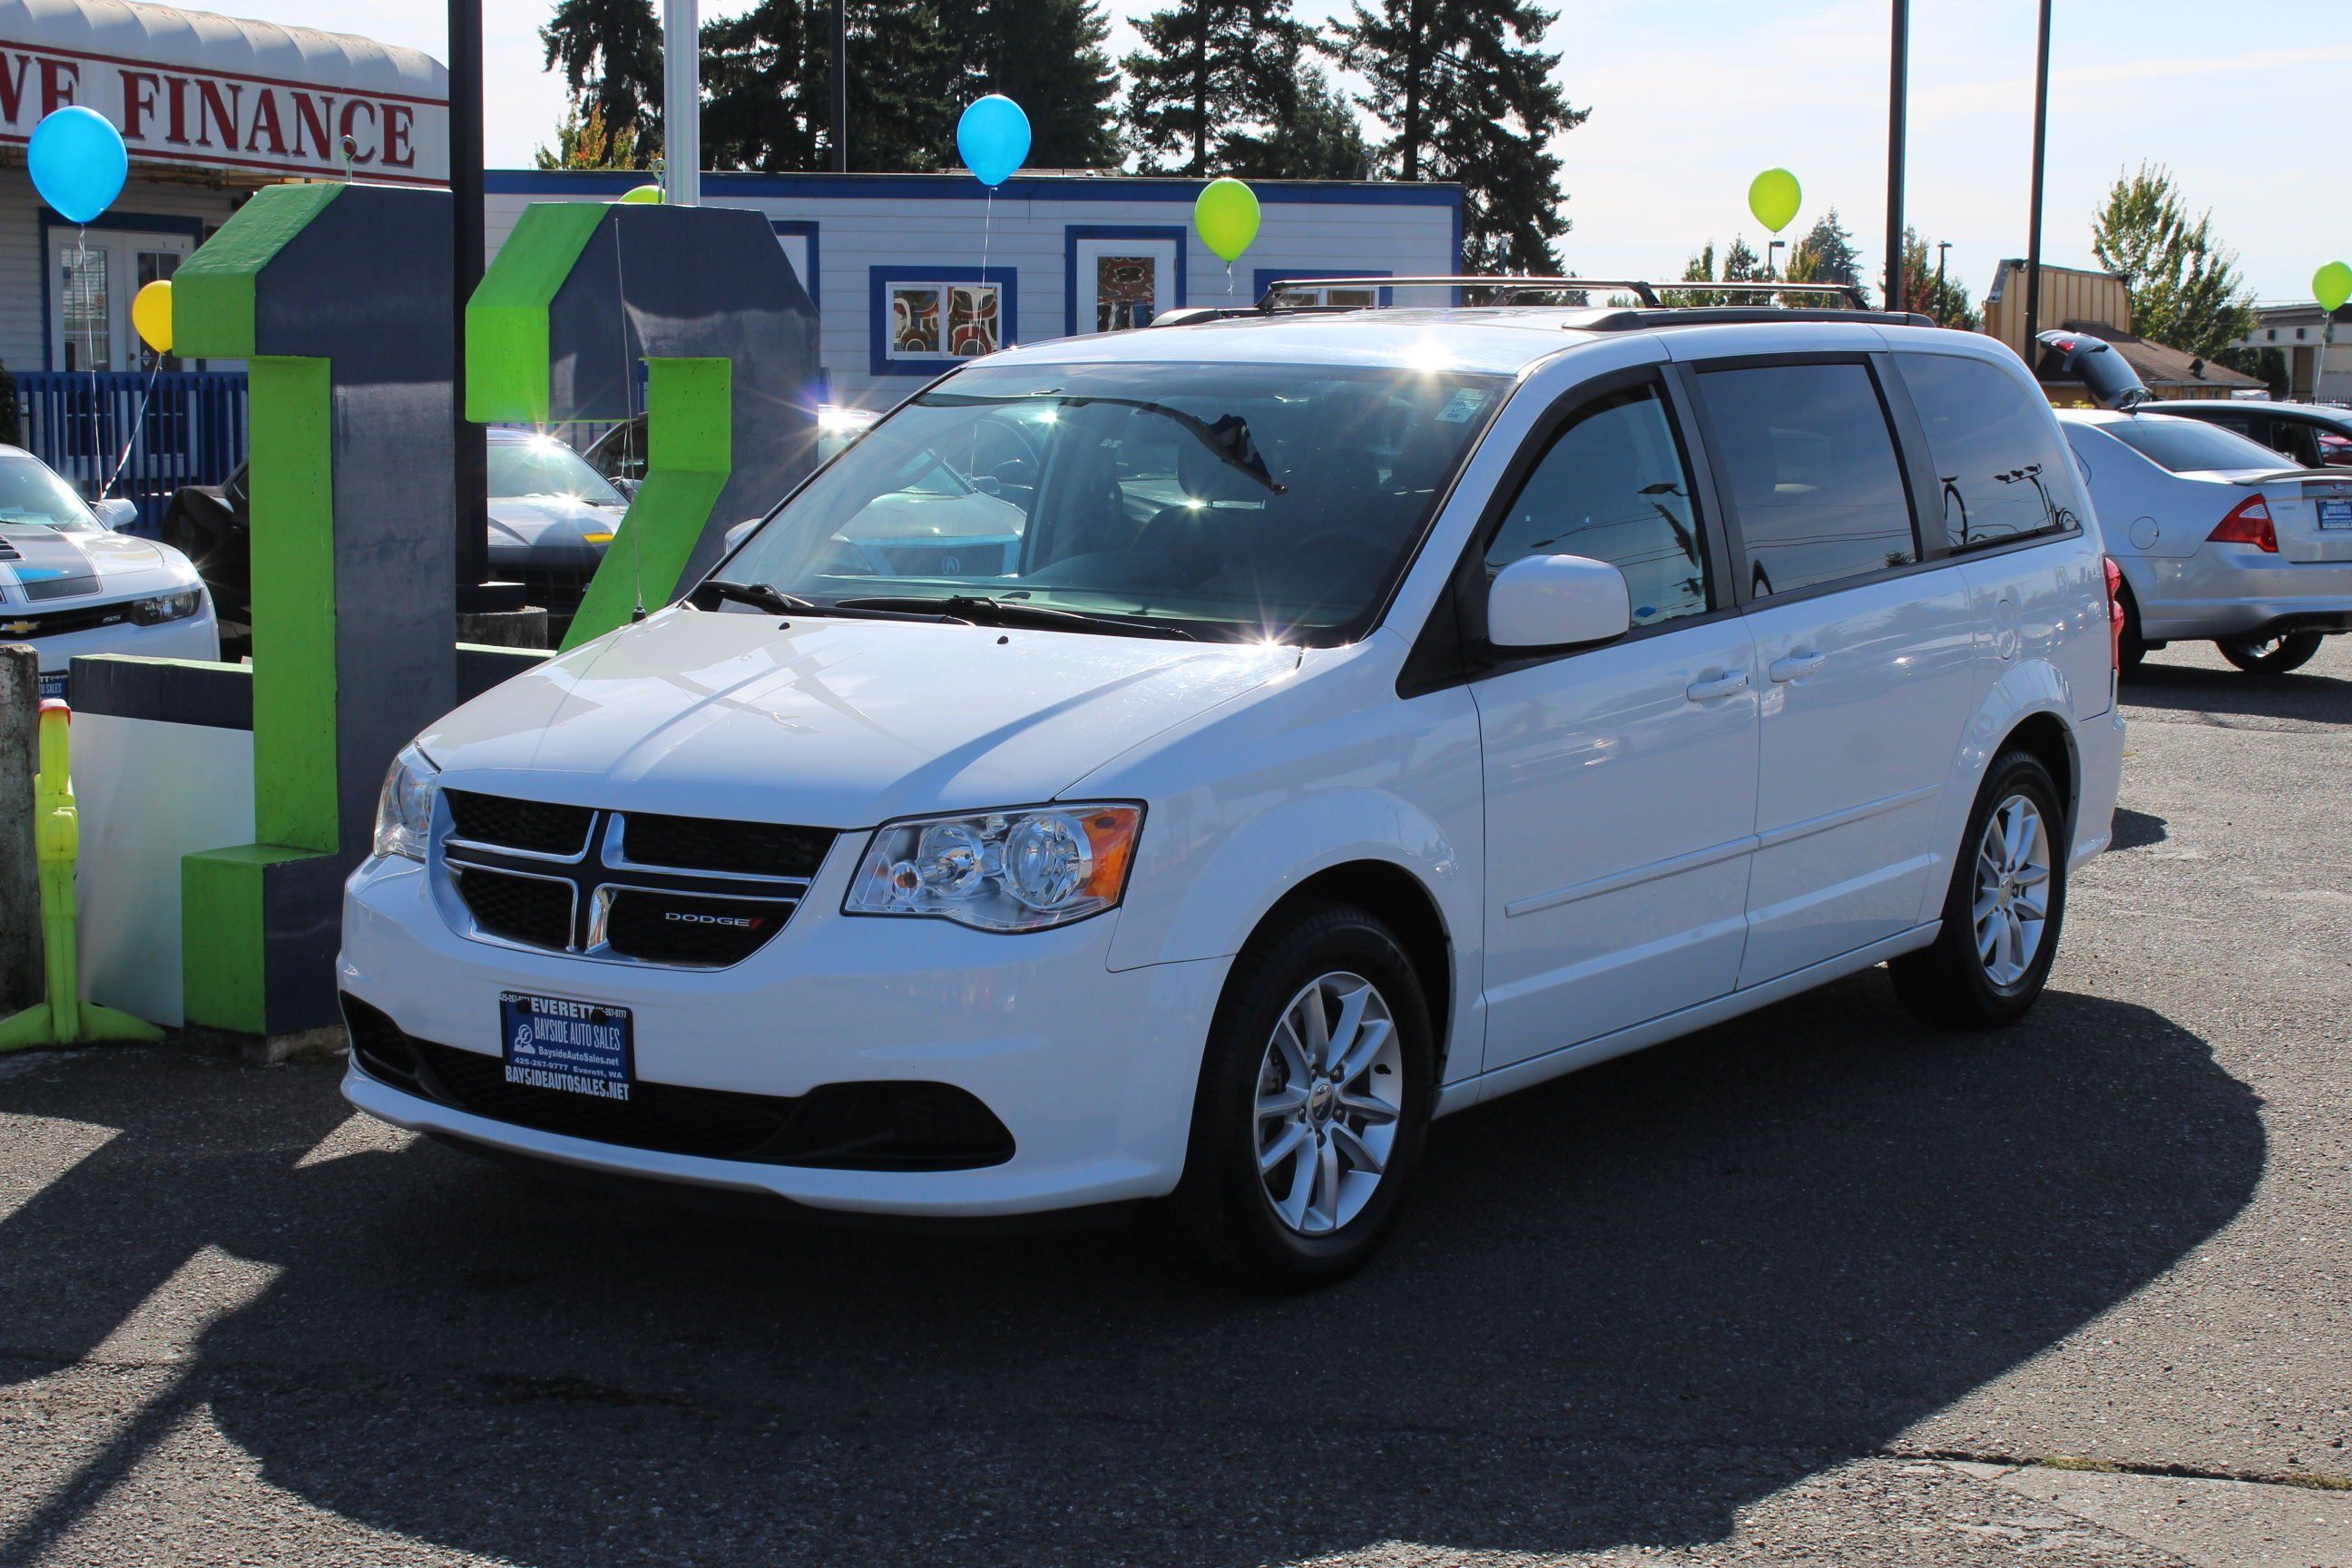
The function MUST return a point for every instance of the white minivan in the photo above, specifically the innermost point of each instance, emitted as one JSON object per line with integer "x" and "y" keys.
{"x": 1383, "y": 711}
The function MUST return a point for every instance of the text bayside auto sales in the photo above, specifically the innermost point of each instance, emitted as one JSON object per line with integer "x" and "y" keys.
{"x": 219, "y": 119}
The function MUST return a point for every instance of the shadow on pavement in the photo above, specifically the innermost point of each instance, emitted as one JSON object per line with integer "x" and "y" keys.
{"x": 2137, "y": 829}
{"x": 2227, "y": 693}
{"x": 1624, "y": 1306}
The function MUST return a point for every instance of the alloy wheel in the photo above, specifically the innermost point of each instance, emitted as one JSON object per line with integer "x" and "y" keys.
{"x": 1329, "y": 1096}
{"x": 2012, "y": 890}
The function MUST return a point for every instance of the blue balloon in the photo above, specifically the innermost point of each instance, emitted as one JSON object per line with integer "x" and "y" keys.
{"x": 993, "y": 138}
{"x": 77, "y": 162}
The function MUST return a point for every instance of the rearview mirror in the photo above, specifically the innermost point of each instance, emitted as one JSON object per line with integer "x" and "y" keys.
{"x": 1556, "y": 601}
{"x": 117, "y": 512}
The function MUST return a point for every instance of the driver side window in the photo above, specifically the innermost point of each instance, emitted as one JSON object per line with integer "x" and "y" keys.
{"x": 1613, "y": 486}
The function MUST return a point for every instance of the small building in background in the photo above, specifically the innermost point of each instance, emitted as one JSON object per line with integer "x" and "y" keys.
{"x": 2097, "y": 303}
{"x": 895, "y": 262}
{"x": 2318, "y": 362}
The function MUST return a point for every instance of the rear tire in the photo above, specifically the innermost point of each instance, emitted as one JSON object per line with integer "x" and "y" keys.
{"x": 2004, "y": 910}
{"x": 1302, "y": 1148}
{"x": 2131, "y": 652}
{"x": 2270, "y": 654}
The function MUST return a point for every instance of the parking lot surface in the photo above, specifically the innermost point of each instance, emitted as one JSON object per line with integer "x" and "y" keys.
{"x": 1812, "y": 1287}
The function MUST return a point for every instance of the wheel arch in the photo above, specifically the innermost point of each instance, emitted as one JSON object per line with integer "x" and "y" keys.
{"x": 1398, "y": 898}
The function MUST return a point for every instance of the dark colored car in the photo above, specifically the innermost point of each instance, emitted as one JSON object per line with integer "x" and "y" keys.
{"x": 2311, "y": 437}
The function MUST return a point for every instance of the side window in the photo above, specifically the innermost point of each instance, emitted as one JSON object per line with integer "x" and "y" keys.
{"x": 1996, "y": 459}
{"x": 1613, "y": 486}
{"x": 1811, "y": 466}
{"x": 2299, "y": 442}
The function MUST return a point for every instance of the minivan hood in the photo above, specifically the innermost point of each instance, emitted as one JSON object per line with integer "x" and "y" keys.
{"x": 831, "y": 723}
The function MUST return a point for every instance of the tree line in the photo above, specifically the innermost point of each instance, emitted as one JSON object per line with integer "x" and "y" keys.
{"x": 1454, "y": 90}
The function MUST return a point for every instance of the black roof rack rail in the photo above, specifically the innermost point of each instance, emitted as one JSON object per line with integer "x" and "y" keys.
{"x": 1631, "y": 318}
{"x": 1653, "y": 309}
{"x": 1642, "y": 290}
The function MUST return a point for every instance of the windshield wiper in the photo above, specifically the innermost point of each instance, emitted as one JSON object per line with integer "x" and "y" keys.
{"x": 776, "y": 602}
{"x": 983, "y": 611}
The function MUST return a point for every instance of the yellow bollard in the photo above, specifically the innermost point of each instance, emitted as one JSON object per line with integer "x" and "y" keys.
{"x": 64, "y": 1019}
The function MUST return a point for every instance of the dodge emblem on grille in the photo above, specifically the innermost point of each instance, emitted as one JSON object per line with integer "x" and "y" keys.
{"x": 688, "y": 917}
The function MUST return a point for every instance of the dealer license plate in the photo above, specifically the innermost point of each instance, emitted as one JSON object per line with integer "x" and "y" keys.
{"x": 575, "y": 1047}
{"x": 2335, "y": 513}
{"x": 53, "y": 685}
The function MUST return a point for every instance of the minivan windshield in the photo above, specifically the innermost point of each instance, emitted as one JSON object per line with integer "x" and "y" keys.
{"x": 1217, "y": 502}
{"x": 31, "y": 496}
{"x": 2191, "y": 446}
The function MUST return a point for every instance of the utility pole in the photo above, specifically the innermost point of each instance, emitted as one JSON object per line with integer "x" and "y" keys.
{"x": 841, "y": 87}
{"x": 2033, "y": 218}
{"x": 473, "y": 475}
{"x": 681, "y": 104}
{"x": 1941, "y": 245}
{"x": 1771, "y": 262}
{"x": 1897, "y": 90}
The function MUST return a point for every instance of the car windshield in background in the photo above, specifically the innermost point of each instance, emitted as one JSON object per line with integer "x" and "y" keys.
{"x": 543, "y": 465}
{"x": 2188, "y": 447}
{"x": 1234, "y": 501}
{"x": 32, "y": 497}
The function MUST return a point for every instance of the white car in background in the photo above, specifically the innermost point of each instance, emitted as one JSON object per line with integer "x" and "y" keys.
{"x": 70, "y": 584}
{"x": 2217, "y": 537}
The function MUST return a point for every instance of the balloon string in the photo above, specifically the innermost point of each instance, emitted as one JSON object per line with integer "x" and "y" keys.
{"x": 1229, "y": 283}
{"x": 987, "y": 226}
{"x": 89, "y": 349}
{"x": 138, "y": 422}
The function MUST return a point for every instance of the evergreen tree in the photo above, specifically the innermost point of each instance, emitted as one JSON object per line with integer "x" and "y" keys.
{"x": 2185, "y": 288}
{"x": 1700, "y": 268}
{"x": 1318, "y": 139}
{"x": 610, "y": 54}
{"x": 1210, "y": 73}
{"x": 1950, "y": 304}
{"x": 1464, "y": 89}
{"x": 1742, "y": 265}
{"x": 1045, "y": 55}
{"x": 584, "y": 141}
{"x": 1826, "y": 254}
{"x": 768, "y": 101}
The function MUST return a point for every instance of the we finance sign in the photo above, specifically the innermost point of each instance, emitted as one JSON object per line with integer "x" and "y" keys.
{"x": 192, "y": 114}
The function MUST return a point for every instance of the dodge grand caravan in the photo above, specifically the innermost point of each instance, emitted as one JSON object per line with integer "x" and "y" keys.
{"x": 1381, "y": 711}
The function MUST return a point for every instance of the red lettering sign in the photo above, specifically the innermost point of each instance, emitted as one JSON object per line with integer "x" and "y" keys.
{"x": 362, "y": 151}
{"x": 58, "y": 79}
{"x": 138, "y": 102}
{"x": 398, "y": 121}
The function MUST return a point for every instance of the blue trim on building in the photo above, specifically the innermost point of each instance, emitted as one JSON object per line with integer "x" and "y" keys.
{"x": 806, "y": 229}
{"x": 877, "y": 312}
{"x": 141, "y": 222}
{"x": 1072, "y": 234}
{"x": 960, "y": 186}
{"x": 1266, "y": 278}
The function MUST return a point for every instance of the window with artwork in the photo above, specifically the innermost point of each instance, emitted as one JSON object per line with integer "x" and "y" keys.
{"x": 944, "y": 321}
{"x": 1126, "y": 289}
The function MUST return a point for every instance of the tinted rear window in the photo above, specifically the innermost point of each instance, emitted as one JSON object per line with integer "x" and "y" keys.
{"x": 1998, "y": 461}
{"x": 2185, "y": 447}
{"x": 1811, "y": 464}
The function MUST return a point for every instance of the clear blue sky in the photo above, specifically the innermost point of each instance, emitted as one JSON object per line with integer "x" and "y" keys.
{"x": 2245, "y": 101}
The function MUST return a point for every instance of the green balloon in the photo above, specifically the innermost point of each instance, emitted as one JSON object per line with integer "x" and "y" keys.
{"x": 2333, "y": 285}
{"x": 644, "y": 196}
{"x": 1226, "y": 216}
{"x": 1774, "y": 198}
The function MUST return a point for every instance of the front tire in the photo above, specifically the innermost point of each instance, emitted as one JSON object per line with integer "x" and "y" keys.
{"x": 1313, "y": 1106}
{"x": 2272, "y": 655}
{"x": 2004, "y": 908}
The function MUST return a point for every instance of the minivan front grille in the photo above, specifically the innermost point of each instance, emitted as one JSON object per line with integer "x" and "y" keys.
{"x": 623, "y": 887}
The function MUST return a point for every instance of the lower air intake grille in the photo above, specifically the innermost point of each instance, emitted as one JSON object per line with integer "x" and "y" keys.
{"x": 842, "y": 1126}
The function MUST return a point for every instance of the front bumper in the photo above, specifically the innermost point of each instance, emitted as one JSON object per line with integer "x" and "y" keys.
{"x": 2235, "y": 590}
{"x": 196, "y": 636}
{"x": 1091, "y": 1070}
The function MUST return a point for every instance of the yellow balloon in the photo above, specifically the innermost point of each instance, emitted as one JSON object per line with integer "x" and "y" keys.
{"x": 1774, "y": 198}
{"x": 1226, "y": 216}
{"x": 151, "y": 313}
{"x": 644, "y": 196}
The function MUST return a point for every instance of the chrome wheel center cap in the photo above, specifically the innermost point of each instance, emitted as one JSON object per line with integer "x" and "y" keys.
{"x": 1320, "y": 1099}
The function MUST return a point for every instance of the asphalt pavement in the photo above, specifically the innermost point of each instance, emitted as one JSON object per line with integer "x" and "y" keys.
{"x": 1814, "y": 1287}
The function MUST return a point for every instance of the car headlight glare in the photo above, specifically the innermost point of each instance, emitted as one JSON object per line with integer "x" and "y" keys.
{"x": 1001, "y": 870}
{"x": 165, "y": 608}
{"x": 404, "y": 813}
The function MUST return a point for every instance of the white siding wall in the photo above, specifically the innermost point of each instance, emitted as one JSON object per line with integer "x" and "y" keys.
{"x": 24, "y": 270}
{"x": 858, "y": 232}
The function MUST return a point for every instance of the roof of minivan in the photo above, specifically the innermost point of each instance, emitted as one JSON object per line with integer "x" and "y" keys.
{"x": 1500, "y": 339}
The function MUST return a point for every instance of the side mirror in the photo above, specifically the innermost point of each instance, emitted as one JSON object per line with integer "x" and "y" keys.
{"x": 1556, "y": 601}
{"x": 117, "y": 512}
{"x": 742, "y": 531}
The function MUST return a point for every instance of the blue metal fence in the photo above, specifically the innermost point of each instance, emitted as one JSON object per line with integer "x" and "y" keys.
{"x": 84, "y": 425}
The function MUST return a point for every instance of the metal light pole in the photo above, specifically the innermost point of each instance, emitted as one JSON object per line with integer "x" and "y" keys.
{"x": 841, "y": 87}
{"x": 681, "y": 104}
{"x": 1941, "y": 245}
{"x": 1897, "y": 89}
{"x": 2033, "y": 220}
{"x": 1771, "y": 262}
{"x": 473, "y": 512}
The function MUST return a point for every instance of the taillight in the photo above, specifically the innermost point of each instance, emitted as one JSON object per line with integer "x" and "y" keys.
{"x": 2248, "y": 522}
{"x": 2115, "y": 612}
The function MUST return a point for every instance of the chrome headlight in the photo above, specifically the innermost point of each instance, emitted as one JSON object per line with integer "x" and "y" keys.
{"x": 1019, "y": 869}
{"x": 163, "y": 608}
{"x": 404, "y": 813}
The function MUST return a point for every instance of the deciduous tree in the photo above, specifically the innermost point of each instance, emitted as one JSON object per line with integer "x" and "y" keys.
{"x": 2186, "y": 290}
